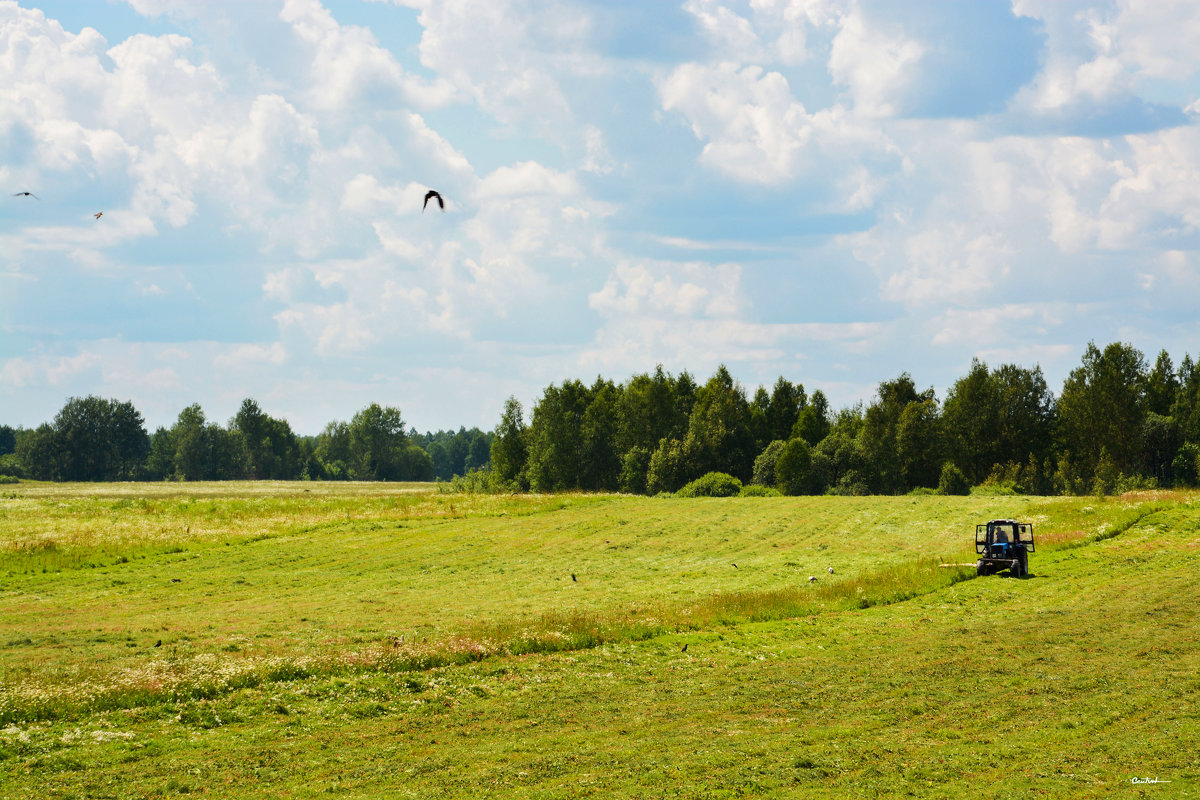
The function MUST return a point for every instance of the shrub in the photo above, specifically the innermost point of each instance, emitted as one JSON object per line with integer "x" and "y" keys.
{"x": 1104, "y": 482}
{"x": 754, "y": 490}
{"x": 9, "y": 479}
{"x": 1135, "y": 483}
{"x": 714, "y": 484}
{"x": 1186, "y": 465}
{"x": 953, "y": 481}
{"x": 477, "y": 481}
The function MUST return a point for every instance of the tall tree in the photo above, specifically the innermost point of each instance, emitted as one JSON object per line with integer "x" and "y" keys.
{"x": 509, "y": 447}
{"x": 650, "y": 409}
{"x": 195, "y": 446}
{"x": 812, "y": 423}
{"x": 1162, "y": 384}
{"x": 1103, "y": 406}
{"x": 100, "y": 440}
{"x": 998, "y": 417}
{"x": 788, "y": 400}
{"x": 380, "y": 448}
{"x": 271, "y": 450}
{"x": 919, "y": 444}
{"x": 971, "y": 421}
{"x": 8, "y": 440}
{"x": 880, "y": 426}
{"x": 719, "y": 437}
{"x": 556, "y": 437}
{"x": 601, "y": 463}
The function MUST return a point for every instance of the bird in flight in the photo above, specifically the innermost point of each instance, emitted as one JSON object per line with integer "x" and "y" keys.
{"x": 431, "y": 194}
{"x": 26, "y": 194}
{"x": 98, "y": 214}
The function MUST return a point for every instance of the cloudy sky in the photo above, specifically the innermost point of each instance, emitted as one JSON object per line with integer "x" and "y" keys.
{"x": 831, "y": 191}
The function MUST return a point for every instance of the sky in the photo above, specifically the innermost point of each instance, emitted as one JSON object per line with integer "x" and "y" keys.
{"x": 831, "y": 191}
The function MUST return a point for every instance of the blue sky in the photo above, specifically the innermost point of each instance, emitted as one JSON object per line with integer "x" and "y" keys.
{"x": 831, "y": 191}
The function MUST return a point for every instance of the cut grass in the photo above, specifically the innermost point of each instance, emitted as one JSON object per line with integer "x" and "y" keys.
{"x": 1067, "y": 684}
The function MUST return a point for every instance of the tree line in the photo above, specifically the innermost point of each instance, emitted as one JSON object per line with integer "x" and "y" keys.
{"x": 97, "y": 439}
{"x": 1118, "y": 423}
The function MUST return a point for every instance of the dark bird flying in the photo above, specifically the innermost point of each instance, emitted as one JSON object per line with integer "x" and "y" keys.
{"x": 98, "y": 214}
{"x": 431, "y": 194}
{"x": 26, "y": 194}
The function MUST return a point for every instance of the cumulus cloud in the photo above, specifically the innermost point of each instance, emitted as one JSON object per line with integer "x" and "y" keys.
{"x": 755, "y": 129}
{"x": 670, "y": 290}
{"x": 874, "y": 64}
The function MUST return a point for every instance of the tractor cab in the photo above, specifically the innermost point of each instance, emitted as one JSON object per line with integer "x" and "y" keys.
{"x": 1003, "y": 544}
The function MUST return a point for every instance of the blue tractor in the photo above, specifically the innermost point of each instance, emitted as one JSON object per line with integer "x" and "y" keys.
{"x": 1003, "y": 544}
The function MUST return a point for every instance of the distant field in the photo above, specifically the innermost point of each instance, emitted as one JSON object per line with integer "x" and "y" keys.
{"x": 304, "y": 639}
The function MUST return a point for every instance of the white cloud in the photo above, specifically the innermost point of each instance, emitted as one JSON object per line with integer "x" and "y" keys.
{"x": 876, "y": 65}
{"x": 733, "y": 35}
{"x": 1101, "y": 53}
{"x": 671, "y": 290}
{"x": 755, "y": 130}
{"x": 505, "y": 55}
{"x": 949, "y": 264}
{"x": 251, "y": 356}
{"x": 348, "y": 62}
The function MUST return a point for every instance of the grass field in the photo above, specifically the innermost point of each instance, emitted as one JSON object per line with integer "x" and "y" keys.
{"x": 373, "y": 640}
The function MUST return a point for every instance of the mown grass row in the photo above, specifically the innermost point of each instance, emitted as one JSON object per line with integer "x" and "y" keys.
{"x": 81, "y": 526}
{"x": 204, "y": 677}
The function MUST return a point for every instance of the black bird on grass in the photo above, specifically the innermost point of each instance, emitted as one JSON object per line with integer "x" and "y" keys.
{"x": 573, "y": 577}
{"x": 684, "y": 650}
{"x": 158, "y": 643}
{"x": 432, "y": 195}
{"x": 26, "y": 194}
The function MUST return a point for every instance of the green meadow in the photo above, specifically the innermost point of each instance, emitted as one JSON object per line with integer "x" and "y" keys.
{"x": 383, "y": 640}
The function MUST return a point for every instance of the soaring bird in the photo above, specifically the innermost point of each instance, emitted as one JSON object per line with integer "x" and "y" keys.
{"x": 98, "y": 214}
{"x": 431, "y": 194}
{"x": 26, "y": 194}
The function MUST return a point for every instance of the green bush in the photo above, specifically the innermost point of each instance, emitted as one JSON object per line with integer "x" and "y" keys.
{"x": 1186, "y": 465}
{"x": 754, "y": 490}
{"x": 1135, "y": 483}
{"x": 9, "y": 479}
{"x": 714, "y": 484}
{"x": 953, "y": 481}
